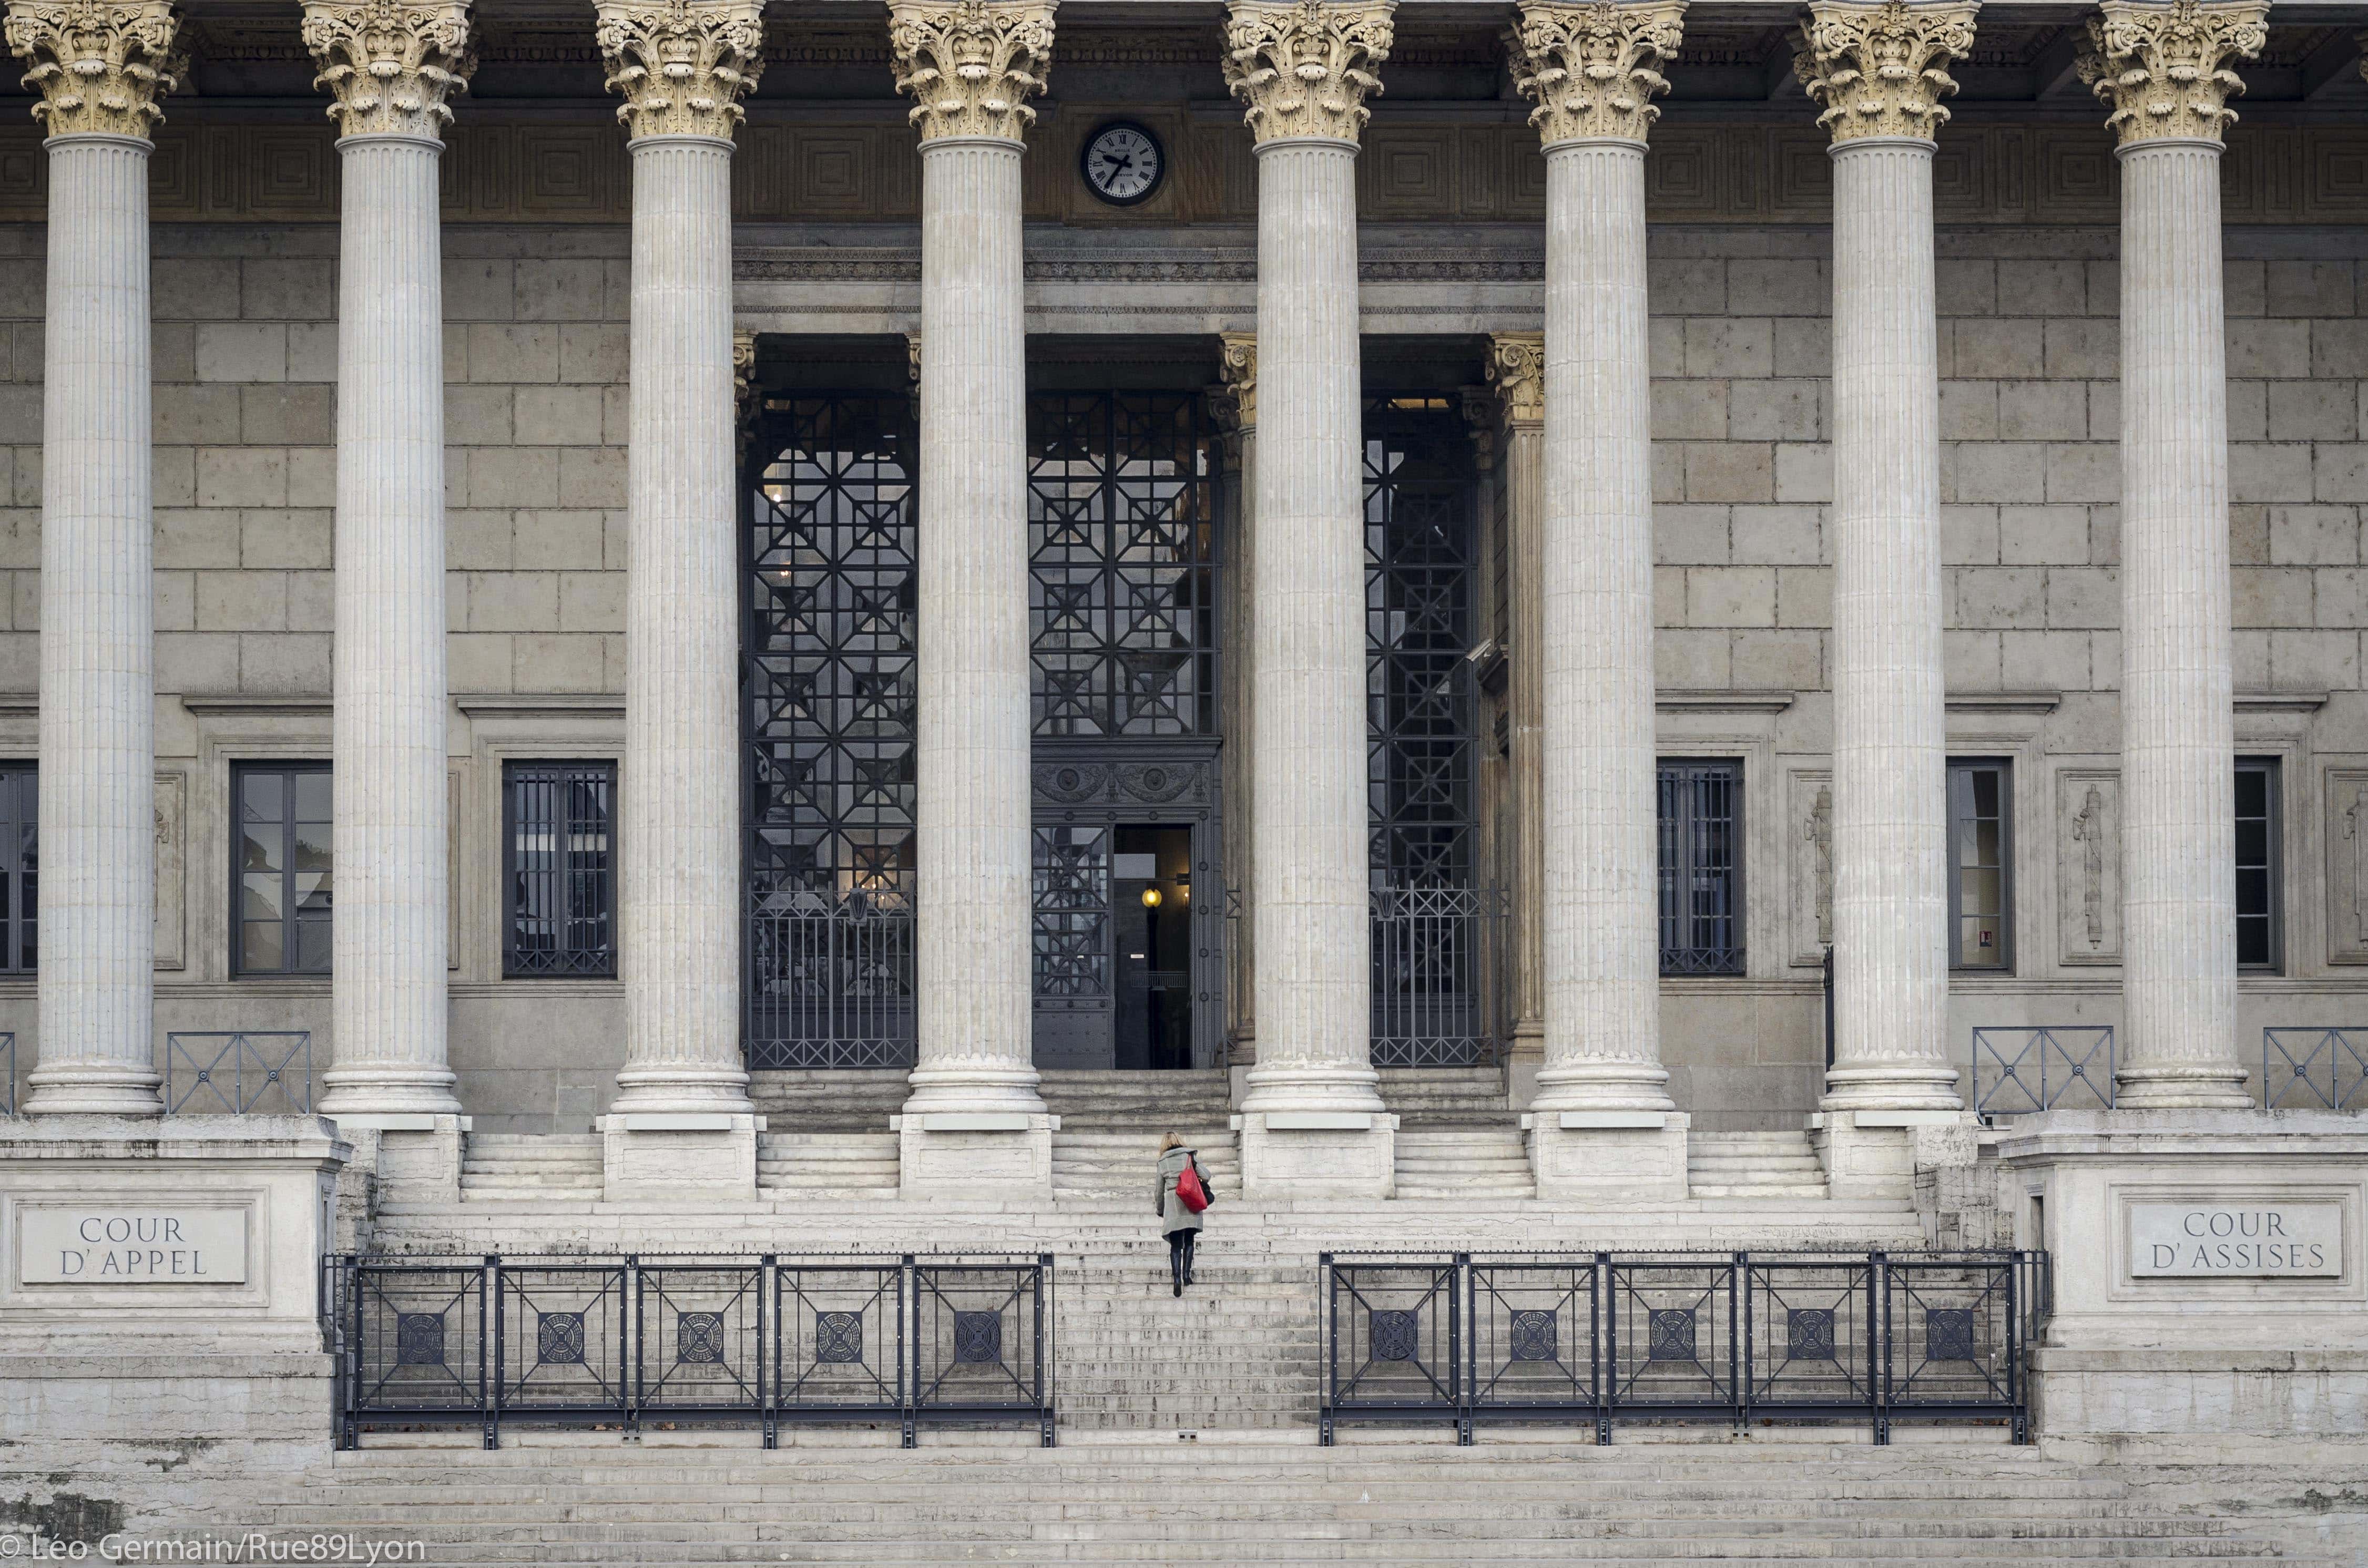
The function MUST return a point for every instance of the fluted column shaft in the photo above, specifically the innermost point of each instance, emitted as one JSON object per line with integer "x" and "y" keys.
{"x": 1890, "y": 831}
{"x": 680, "y": 794}
{"x": 1311, "y": 911}
{"x": 391, "y": 941}
{"x": 973, "y": 963}
{"x": 2177, "y": 730}
{"x": 97, "y": 722}
{"x": 1522, "y": 472}
{"x": 1601, "y": 917}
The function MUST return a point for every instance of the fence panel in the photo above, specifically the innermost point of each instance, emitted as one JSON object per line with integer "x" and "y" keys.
{"x": 239, "y": 1073}
{"x": 982, "y": 1340}
{"x": 1393, "y": 1336}
{"x": 560, "y": 1341}
{"x": 1534, "y": 1327}
{"x": 1809, "y": 1334}
{"x": 2044, "y": 1067}
{"x": 2315, "y": 1069}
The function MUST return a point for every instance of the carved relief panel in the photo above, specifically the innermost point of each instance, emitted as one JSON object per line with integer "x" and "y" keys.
{"x": 172, "y": 869}
{"x": 2089, "y": 865}
{"x": 1809, "y": 857}
{"x": 2347, "y": 865}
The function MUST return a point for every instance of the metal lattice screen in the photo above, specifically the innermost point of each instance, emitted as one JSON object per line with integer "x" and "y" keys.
{"x": 1701, "y": 819}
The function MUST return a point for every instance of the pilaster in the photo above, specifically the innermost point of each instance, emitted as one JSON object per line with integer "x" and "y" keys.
{"x": 1233, "y": 405}
{"x": 1517, "y": 376}
{"x": 1313, "y": 1118}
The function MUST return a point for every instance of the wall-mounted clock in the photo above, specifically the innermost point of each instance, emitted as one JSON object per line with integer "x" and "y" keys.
{"x": 1122, "y": 162}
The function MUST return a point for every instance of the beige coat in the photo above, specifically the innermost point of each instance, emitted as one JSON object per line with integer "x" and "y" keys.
{"x": 1173, "y": 1215}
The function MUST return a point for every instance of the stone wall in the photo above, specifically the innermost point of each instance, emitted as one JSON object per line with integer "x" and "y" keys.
{"x": 535, "y": 353}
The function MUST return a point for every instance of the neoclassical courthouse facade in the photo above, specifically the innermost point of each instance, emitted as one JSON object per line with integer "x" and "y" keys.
{"x": 691, "y": 626}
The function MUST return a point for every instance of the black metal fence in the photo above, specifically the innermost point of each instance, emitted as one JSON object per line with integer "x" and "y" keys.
{"x": 239, "y": 1073}
{"x": 628, "y": 1341}
{"x": 2038, "y": 1067}
{"x": 2322, "y": 1068}
{"x": 830, "y": 979}
{"x": 1438, "y": 958}
{"x": 1679, "y": 1336}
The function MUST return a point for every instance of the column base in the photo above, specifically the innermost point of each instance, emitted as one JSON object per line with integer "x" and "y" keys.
{"x": 2208, "y": 1271}
{"x": 1319, "y": 1153}
{"x": 1871, "y": 1154}
{"x": 388, "y": 1091}
{"x": 93, "y": 1089}
{"x": 2181, "y": 1088}
{"x": 412, "y": 1158}
{"x": 1892, "y": 1085}
{"x": 667, "y": 1154}
{"x": 984, "y": 1153}
{"x": 1627, "y": 1155}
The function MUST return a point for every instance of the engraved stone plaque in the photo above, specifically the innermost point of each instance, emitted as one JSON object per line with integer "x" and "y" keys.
{"x": 2247, "y": 1240}
{"x": 130, "y": 1244}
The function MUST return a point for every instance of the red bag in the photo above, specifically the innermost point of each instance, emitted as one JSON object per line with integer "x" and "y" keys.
{"x": 1189, "y": 1190}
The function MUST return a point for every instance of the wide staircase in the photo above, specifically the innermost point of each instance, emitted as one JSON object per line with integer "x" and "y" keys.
{"x": 828, "y": 1135}
{"x": 1108, "y": 1143}
{"x": 515, "y": 1167}
{"x": 1754, "y": 1164}
{"x": 1458, "y": 1137}
{"x": 833, "y": 1497}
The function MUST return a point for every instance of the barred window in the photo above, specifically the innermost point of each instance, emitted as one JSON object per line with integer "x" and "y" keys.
{"x": 1981, "y": 871}
{"x": 558, "y": 870}
{"x": 280, "y": 875}
{"x": 19, "y": 867}
{"x": 2259, "y": 932}
{"x": 1702, "y": 867}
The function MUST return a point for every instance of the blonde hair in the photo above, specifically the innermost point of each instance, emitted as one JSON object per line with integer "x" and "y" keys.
{"x": 1173, "y": 1140}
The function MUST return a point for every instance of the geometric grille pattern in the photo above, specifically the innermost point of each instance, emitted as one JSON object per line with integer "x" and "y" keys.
{"x": 699, "y": 1337}
{"x": 1419, "y": 542}
{"x": 1699, "y": 805}
{"x": 559, "y": 1339}
{"x": 1533, "y": 1335}
{"x": 1809, "y": 1334}
{"x": 1949, "y": 1333}
{"x": 420, "y": 1339}
{"x": 839, "y": 1336}
{"x": 1396, "y": 1334}
{"x": 1073, "y": 911}
{"x": 1121, "y": 508}
{"x": 1671, "y": 1336}
{"x": 978, "y": 1337}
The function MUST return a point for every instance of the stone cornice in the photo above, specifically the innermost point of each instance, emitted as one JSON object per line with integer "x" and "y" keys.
{"x": 2164, "y": 68}
{"x": 391, "y": 63}
{"x": 1304, "y": 69}
{"x": 971, "y": 66}
{"x": 1591, "y": 69}
{"x": 1517, "y": 369}
{"x": 100, "y": 67}
{"x": 1881, "y": 71}
{"x": 681, "y": 65}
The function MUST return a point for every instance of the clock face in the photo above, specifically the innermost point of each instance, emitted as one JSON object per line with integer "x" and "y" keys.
{"x": 1123, "y": 163}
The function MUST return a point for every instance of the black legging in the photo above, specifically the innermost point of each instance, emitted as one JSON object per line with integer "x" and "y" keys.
{"x": 1180, "y": 1255}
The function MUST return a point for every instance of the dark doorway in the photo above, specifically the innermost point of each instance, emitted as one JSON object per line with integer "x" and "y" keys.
{"x": 1151, "y": 895}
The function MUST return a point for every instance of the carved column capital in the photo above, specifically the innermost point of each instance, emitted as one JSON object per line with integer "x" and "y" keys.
{"x": 1238, "y": 370}
{"x": 1517, "y": 369}
{"x": 1592, "y": 70}
{"x": 2164, "y": 68}
{"x": 747, "y": 397}
{"x": 971, "y": 66}
{"x": 681, "y": 65}
{"x": 1882, "y": 71}
{"x": 391, "y": 63}
{"x": 1306, "y": 68}
{"x": 99, "y": 65}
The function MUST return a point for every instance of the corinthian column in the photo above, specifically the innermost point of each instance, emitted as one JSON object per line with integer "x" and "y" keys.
{"x": 1313, "y": 1118}
{"x": 970, "y": 67}
{"x": 2163, "y": 69}
{"x": 1878, "y": 71}
{"x": 99, "y": 68}
{"x": 1601, "y": 1116}
{"x": 391, "y": 63}
{"x": 682, "y": 68}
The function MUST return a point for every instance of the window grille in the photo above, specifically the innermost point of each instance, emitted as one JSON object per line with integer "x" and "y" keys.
{"x": 1122, "y": 510}
{"x": 1701, "y": 830}
{"x": 558, "y": 870}
{"x": 281, "y": 877}
{"x": 1981, "y": 864}
{"x": 19, "y": 867}
{"x": 2259, "y": 874}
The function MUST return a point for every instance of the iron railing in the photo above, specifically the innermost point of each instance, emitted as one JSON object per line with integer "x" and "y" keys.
{"x": 8, "y": 1073}
{"x": 1437, "y": 956}
{"x": 239, "y": 1073}
{"x": 1679, "y": 1336}
{"x": 626, "y": 1341}
{"x": 830, "y": 979}
{"x": 2043, "y": 1067}
{"x": 2315, "y": 1069}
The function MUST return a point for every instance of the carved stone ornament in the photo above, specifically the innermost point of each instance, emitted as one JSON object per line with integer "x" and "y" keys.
{"x": 1517, "y": 368}
{"x": 747, "y": 397}
{"x": 1305, "y": 69}
{"x": 99, "y": 67}
{"x": 391, "y": 63}
{"x": 971, "y": 66}
{"x": 682, "y": 64}
{"x": 2163, "y": 68}
{"x": 1237, "y": 364}
{"x": 1881, "y": 70}
{"x": 1591, "y": 69}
